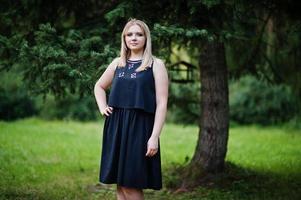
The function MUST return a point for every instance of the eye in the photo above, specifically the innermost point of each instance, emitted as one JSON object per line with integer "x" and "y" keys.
{"x": 140, "y": 34}
{"x": 129, "y": 34}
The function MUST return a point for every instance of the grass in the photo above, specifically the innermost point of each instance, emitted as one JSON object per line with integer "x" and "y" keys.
{"x": 60, "y": 160}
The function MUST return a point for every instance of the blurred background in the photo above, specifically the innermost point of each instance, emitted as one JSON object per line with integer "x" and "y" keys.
{"x": 53, "y": 52}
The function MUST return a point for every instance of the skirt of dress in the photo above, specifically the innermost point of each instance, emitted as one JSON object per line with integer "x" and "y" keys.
{"x": 123, "y": 161}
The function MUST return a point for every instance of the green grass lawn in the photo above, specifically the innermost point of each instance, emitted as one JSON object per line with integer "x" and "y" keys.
{"x": 60, "y": 160}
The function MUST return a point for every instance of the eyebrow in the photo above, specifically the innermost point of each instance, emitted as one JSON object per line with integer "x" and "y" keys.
{"x": 134, "y": 32}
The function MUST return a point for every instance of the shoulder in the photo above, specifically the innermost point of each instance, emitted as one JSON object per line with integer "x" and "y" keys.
{"x": 114, "y": 63}
{"x": 158, "y": 64}
{"x": 159, "y": 69}
{"x": 116, "y": 60}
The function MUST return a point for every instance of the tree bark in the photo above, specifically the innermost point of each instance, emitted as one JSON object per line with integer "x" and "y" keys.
{"x": 211, "y": 149}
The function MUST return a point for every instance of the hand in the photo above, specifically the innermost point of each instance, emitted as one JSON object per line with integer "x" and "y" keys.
{"x": 152, "y": 146}
{"x": 106, "y": 111}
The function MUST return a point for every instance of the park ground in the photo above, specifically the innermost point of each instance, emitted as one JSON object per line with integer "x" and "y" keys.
{"x": 60, "y": 160}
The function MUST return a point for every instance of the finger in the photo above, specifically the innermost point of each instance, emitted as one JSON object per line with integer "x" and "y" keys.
{"x": 155, "y": 152}
{"x": 154, "y": 149}
{"x": 106, "y": 113}
{"x": 110, "y": 110}
{"x": 148, "y": 152}
{"x": 151, "y": 152}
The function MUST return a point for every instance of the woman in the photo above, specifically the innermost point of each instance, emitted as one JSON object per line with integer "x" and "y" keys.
{"x": 135, "y": 114}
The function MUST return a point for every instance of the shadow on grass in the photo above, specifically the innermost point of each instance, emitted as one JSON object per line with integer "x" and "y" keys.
{"x": 236, "y": 183}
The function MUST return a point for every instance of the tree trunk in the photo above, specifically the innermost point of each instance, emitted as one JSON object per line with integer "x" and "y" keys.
{"x": 211, "y": 149}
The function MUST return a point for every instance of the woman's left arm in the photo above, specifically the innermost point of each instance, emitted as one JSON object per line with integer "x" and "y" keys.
{"x": 161, "y": 85}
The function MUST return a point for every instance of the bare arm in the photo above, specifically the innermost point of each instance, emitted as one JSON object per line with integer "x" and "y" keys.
{"x": 161, "y": 84}
{"x": 102, "y": 85}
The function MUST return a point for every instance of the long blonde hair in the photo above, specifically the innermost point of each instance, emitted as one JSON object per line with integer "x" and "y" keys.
{"x": 125, "y": 52}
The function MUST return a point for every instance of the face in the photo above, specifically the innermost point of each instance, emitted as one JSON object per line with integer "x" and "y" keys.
{"x": 135, "y": 38}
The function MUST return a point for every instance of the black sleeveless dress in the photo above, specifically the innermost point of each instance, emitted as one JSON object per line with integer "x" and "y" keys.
{"x": 127, "y": 130}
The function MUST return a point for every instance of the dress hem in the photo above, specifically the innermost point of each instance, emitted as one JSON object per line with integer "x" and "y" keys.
{"x": 130, "y": 186}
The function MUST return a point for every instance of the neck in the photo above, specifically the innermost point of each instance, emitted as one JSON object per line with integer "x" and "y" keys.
{"x": 136, "y": 55}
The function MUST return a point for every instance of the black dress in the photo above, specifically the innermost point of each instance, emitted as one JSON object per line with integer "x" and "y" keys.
{"x": 127, "y": 130}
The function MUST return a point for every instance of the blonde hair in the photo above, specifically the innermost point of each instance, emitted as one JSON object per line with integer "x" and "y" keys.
{"x": 125, "y": 52}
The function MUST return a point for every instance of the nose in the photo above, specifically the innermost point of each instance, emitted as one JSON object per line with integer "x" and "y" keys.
{"x": 134, "y": 37}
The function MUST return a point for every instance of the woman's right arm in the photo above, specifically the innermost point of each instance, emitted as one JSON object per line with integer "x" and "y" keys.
{"x": 102, "y": 85}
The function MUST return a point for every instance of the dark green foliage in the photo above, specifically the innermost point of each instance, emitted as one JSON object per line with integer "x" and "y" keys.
{"x": 254, "y": 101}
{"x": 15, "y": 100}
{"x": 70, "y": 107}
{"x": 60, "y": 64}
{"x": 16, "y": 103}
{"x": 63, "y": 50}
{"x": 9, "y": 50}
{"x": 251, "y": 101}
{"x": 184, "y": 106}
